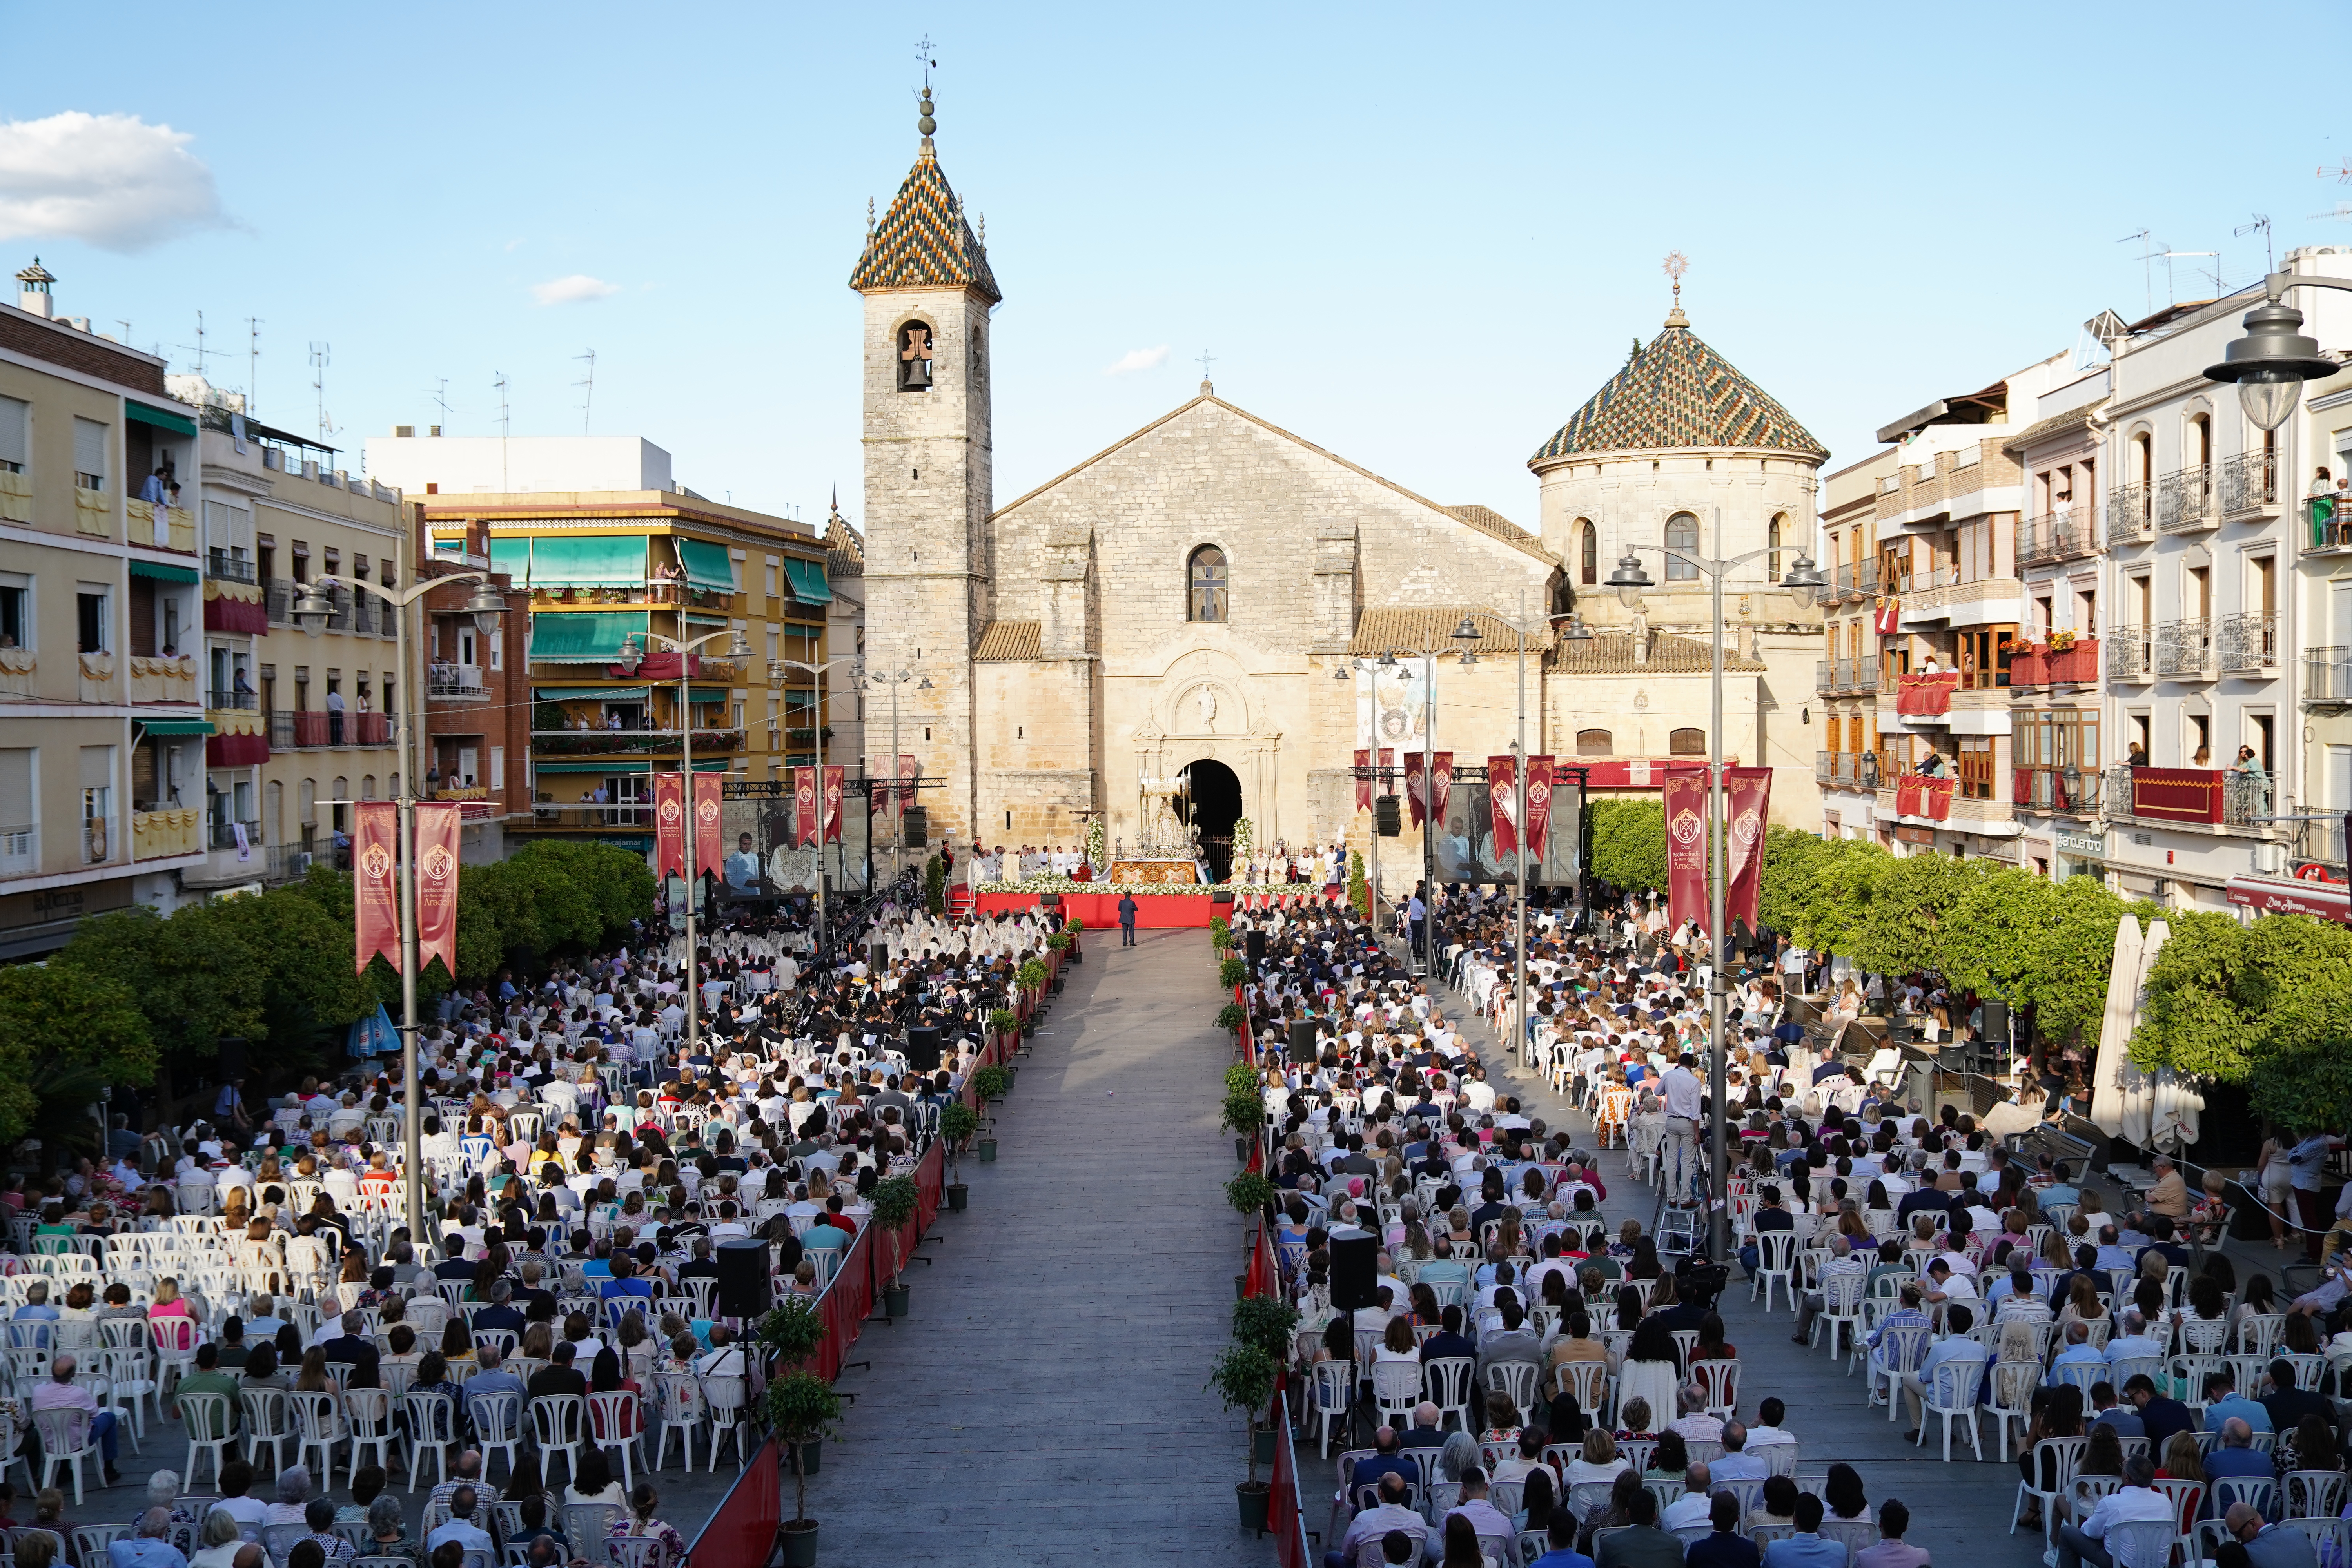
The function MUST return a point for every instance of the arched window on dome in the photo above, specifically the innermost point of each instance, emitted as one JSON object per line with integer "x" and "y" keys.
{"x": 1594, "y": 744}
{"x": 914, "y": 343}
{"x": 1681, "y": 533}
{"x": 1206, "y": 583}
{"x": 1772, "y": 543}
{"x": 1587, "y": 552}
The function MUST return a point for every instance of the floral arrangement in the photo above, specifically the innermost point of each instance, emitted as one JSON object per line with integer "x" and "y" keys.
{"x": 2060, "y": 641}
{"x": 1097, "y": 842}
{"x": 1244, "y": 839}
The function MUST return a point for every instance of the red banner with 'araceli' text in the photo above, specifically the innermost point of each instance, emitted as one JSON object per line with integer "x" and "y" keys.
{"x": 669, "y": 826}
{"x": 436, "y": 884}
{"x": 1537, "y": 793}
{"x": 1503, "y": 792}
{"x": 1746, "y": 806}
{"x": 1442, "y": 775}
{"x": 375, "y": 880}
{"x": 804, "y": 806}
{"x": 832, "y": 790}
{"x": 710, "y": 853}
{"x": 1684, "y": 795}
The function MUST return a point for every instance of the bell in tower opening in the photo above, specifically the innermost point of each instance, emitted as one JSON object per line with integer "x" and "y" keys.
{"x": 915, "y": 357}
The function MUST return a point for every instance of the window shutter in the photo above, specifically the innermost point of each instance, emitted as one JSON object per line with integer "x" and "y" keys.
{"x": 89, "y": 448}
{"x": 15, "y": 446}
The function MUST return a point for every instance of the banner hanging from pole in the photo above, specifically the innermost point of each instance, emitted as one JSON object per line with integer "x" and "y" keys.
{"x": 1535, "y": 790}
{"x": 1747, "y": 806}
{"x": 1363, "y": 779}
{"x": 833, "y": 788}
{"x": 669, "y": 826}
{"x": 709, "y": 850}
{"x": 436, "y": 885}
{"x": 804, "y": 806}
{"x": 1416, "y": 793}
{"x": 1440, "y": 779}
{"x": 375, "y": 880}
{"x": 1503, "y": 790}
{"x": 1684, "y": 798}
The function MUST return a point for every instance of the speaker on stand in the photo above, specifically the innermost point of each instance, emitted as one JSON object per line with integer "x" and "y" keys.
{"x": 923, "y": 1049}
{"x": 1355, "y": 1264}
{"x": 1253, "y": 946}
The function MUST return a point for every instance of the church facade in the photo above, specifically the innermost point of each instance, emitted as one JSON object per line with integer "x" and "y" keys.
{"x": 1217, "y": 599}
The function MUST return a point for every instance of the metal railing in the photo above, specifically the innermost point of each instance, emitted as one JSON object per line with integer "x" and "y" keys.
{"x": 2247, "y": 642}
{"x": 288, "y": 862}
{"x": 2075, "y": 790}
{"x": 278, "y": 599}
{"x": 363, "y": 614}
{"x": 2130, "y": 653}
{"x": 2118, "y": 806}
{"x": 2245, "y": 798}
{"x": 281, "y": 730}
{"x": 606, "y": 743}
{"x": 547, "y": 814}
{"x": 216, "y": 697}
{"x": 223, "y": 566}
{"x": 2327, "y": 675}
{"x": 2326, "y": 526}
{"x": 2248, "y": 482}
{"x": 223, "y": 835}
{"x": 2184, "y": 647}
{"x": 1846, "y": 675}
{"x": 2184, "y": 499}
{"x": 2129, "y": 515}
{"x": 2320, "y": 838}
{"x": 2060, "y": 535}
{"x": 455, "y": 680}
{"x": 1855, "y": 580}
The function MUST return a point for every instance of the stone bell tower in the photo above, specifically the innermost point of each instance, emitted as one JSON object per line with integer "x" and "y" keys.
{"x": 930, "y": 575}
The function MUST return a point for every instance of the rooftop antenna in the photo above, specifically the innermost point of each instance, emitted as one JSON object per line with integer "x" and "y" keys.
{"x": 499, "y": 380}
{"x": 2262, "y": 223}
{"x": 252, "y": 362}
{"x": 126, "y": 330}
{"x": 441, "y": 400}
{"x": 2341, "y": 173}
{"x": 2147, "y": 267}
{"x": 923, "y": 48}
{"x": 198, "y": 347}
{"x": 2343, "y": 211}
{"x": 2171, "y": 295}
{"x": 321, "y": 356}
{"x": 589, "y": 381}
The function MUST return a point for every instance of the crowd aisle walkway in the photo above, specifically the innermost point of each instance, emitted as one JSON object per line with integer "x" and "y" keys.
{"x": 1959, "y": 1512}
{"x": 1044, "y": 1403}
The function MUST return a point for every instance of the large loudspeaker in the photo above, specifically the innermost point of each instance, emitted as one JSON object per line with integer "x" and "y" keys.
{"x": 916, "y": 826}
{"x": 1355, "y": 1264}
{"x": 742, "y": 1279}
{"x": 1302, "y": 1040}
{"x": 923, "y": 1049}
{"x": 1388, "y": 816}
{"x": 877, "y": 959}
{"x": 1996, "y": 1021}
{"x": 1253, "y": 946}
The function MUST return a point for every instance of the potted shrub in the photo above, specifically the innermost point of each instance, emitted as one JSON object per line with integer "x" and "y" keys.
{"x": 1234, "y": 1017}
{"x": 800, "y": 1407}
{"x": 994, "y": 1083}
{"x": 1074, "y": 930}
{"x": 1031, "y": 977}
{"x": 1266, "y": 1322}
{"x": 1221, "y": 932}
{"x": 1243, "y": 1378}
{"x": 1233, "y": 971}
{"x": 958, "y": 1123}
{"x": 1244, "y": 1114}
{"x": 1249, "y": 1193}
{"x": 892, "y": 1206}
{"x": 1003, "y": 1022}
{"x": 791, "y": 1331}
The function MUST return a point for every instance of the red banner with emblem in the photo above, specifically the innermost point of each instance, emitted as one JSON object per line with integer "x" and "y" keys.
{"x": 1363, "y": 779}
{"x": 1416, "y": 790}
{"x": 1921, "y": 794}
{"x": 1537, "y": 793}
{"x": 1503, "y": 795}
{"x": 833, "y": 788}
{"x": 1684, "y": 796}
{"x": 436, "y": 885}
{"x": 803, "y": 807}
{"x": 1442, "y": 777}
{"x": 375, "y": 880}
{"x": 709, "y": 852}
{"x": 1747, "y": 806}
{"x": 669, "y": 826}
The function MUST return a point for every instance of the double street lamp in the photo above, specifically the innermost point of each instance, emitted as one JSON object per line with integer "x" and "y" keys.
{"x": 312, "y": 612}
{"x": 893, "y": 679}
{"x": 1804, "y": 581}
{"x": 776, "y": 667}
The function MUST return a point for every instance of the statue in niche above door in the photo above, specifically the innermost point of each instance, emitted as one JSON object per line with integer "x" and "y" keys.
{"x": 1205, "y": 698}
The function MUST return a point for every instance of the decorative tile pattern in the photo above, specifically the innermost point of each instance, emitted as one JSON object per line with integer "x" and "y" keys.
{"x": 923, "y": 241}
{"x": 1679, "y": 393}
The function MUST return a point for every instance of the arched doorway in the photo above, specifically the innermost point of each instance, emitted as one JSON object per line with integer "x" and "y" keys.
{"x": 1211, "y": 802}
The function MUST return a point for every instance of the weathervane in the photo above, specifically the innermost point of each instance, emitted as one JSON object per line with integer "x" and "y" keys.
{"x": 1677, "y": 265}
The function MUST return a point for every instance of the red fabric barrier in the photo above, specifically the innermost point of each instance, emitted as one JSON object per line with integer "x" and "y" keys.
{"x": 236, "y": 750}
{"x": 1153, "y": 911}
{"x": 741, "y": 1533}
{"x": 1917, "y": 794}
{"x": 1262, "y": 1278}
{"x": 238, "y": 617}
{"x": 1282, "y": 1513}
{"x": 844, "y": 1306}
{"x": 1926, "y": 696}
{"x": 2177, "y": 795}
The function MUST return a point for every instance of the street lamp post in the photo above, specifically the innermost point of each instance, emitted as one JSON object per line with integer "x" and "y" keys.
{"x": 893, "y": 679}
{"x": 816, "y": 720}
{"x": 311, "y": 612}
{"x": 2273, "y": 360}
{"x": 633, "y": 648}
{"x": 1802, "y": 580}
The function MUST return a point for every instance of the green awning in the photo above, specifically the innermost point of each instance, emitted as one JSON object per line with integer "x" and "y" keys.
{"x": 176, "y": 726}
{"x": 511, "y": 556}
{"x": 590, "y": 693}
{"x": 453, "y": 545}
{"x": 614, "y": 767}
{"x": 583, "y": 637}
{"x": 808, "y": 581}
{"x": 140, "y": 413}
{"x": 707, "y": 694}
{"x": 586, "y": 561}
{"x": 694, "y": 620}
{"x": 706, "y": 565}
{"x": 718, "y": 766}
{"x": 160, "y": 571}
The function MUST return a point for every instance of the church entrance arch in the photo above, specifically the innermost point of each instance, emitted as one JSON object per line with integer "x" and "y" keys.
{"x": 1211, "y": 802}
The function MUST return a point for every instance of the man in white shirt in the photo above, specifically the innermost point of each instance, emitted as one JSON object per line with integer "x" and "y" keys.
{"x": 2135, "y": 1501}
{"x": 1691, "y": 1507}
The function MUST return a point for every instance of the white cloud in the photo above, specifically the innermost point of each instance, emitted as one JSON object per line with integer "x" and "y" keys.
{"x": 112, "y": 179}
{"x": 1134, "y": 360}
{"x": 575, "y": 289}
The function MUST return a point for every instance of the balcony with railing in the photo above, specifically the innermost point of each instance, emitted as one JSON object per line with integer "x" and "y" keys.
{"x": 455, "y": 682}
{"x": 2184, "y": 649}
{"x": 2060, "y": 790}
{"x": 2065, "y": 534}
{"x": 2034, "y": 668}
{"x": 627, "y": 743}
{"x": 1856, "y": 579}
{"x": 172, "y": 830}
{"x": 2249, "y": 484}
{"x": 2206, "y": 795}
{"x": 231, "y": 699}
{"x": 223, "y": 835}
{"x": 1846, "y": 770}
{"x": 309, "y": 729}
{"x": 2128, "y": 653}
{"x": 583, "y": 815}
{"x": 2247, "y": 643}
{"x": 2320, "y": 840}
{"x": 2131, "y": 520}
{"x": 227, "y": 566}
{"x": 2326, "y": 526}
{"x": 2327, "y": 676}
{"x": 278, "y": 599}
{"x": 2184, "y": 501}
{"x": 1846, "y": 675}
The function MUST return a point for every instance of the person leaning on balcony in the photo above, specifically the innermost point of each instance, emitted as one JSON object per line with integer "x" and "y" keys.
{"x": 2249, "y": 767}
{"x": 2323, "y": 506}
{"x": 2138, "y": 756}
{"x": 2203, "y": 759}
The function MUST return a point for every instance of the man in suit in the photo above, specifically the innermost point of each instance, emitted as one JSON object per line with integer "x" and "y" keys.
{"x": 2288, "y": 1404}
{"x": 453, "y": 1265}
{"x": 559, "y": 1376}
{"x": 2237, "y": 1455}
{"x": 353, "y": 1346}
{"x": 501, "y": 1312}
{"x": 1514, "y": 1343}
{"x": 1127, "y": 920}
{"x": 1727, "y": 1548}
{"x": 2159, "y": 1418}
{"x": 1643, "y": 1545}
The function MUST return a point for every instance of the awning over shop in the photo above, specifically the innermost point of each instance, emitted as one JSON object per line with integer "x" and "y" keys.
{"x": 808, "y": 581}
{"x": 140, "y": 413}
{"x": 2280, "y": 896}
{"x": 583, "y": 637}
{"x": 706, "y": 565}
{"x": 612, "y": 767}
{"x": 176, "y": 726}
{"x": 162, "y": 572}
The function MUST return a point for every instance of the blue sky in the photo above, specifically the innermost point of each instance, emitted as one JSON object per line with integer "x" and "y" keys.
{"x": 1420, "y": 237}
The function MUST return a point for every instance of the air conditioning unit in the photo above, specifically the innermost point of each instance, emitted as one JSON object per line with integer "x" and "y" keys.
{"x": 2269, "y": 860}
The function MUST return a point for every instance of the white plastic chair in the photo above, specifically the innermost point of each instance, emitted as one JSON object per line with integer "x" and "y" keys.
{"x": 558, "y": 1421}
{"x": 1330, "y": 1395}
{"x": 1718, "y": 1383}
{"x": 367, "y": 1415}
{"x": 1776, "y": 1264}
{"x": 67, "y": 1437}
{"x": 1952, "y": 1395}
{"x": 1448, "y": 1381}
{"x": 431, "y": 1428}
{"x": 497, "y": 1424}
{"x": 678, "y": 1406}
{"x": 727, "y": 1397}
{"x": 208, "y": 1418}
{"x": 319, "y": 1425}
{"x": 616, "y": 1424}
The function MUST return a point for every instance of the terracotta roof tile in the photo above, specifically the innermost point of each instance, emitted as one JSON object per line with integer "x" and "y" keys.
{"x": 1399, "y": 628}
{"x": 1489, "y": 521}
{"x": 923, "y": 241}
{"x": 1007, "y": 642}
{"x": 845, "y": 551}
{"x": 1611, "y": 653}
{"x": 1679, "y": 393}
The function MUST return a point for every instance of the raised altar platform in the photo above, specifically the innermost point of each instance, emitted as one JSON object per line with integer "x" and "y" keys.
{"x": 1156, "y": 871}
{"x": 1099, "y": 909}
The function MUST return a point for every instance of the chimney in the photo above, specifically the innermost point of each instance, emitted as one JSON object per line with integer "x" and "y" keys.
{"x": 33, "y": 291}
{"x": 403, "y": 432}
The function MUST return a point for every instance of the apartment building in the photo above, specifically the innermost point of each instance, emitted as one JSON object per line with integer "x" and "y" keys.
{"x": 103, "y": 682}
{"x": 1845, "y": 683}
{"x": 592, "y": 714}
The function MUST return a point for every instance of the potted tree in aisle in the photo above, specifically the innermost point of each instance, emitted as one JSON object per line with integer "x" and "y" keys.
{"x": 1244, "y": 1114}
{"x": 1004, "y": 1023}
{"x": 892, "y": 1206}
{"x": 1243, "y": 1378}
{"x": 1221, "y": 933}
{"x": 1076, "y": 928}
{"x": 791, "y": 1331}
{"x": 1032, "y": 976}
{"x": 994, "y": 1083}
{"x": 958, "y": 1123}
{"x": 1249, "y": 1193}
{"x": 800, "y": 1407}
{"x": 1267, "y": 1322}
{"x": 1233, "y": 971}
{"x": 1233, "y": 1016}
